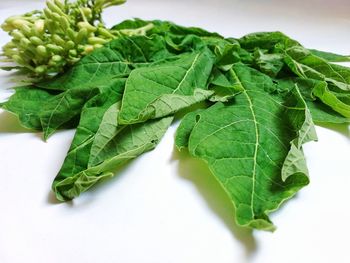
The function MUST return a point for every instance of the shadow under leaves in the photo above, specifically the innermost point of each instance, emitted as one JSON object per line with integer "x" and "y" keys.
{"x": 9, "y": 123}
{"x": 341, "y": 128}
{"x": 196, "y": 171}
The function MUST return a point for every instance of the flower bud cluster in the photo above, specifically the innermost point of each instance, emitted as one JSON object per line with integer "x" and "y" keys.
{"x": 45, "y": 42}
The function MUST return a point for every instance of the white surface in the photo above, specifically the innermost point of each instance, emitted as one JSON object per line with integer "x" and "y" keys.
{"x": 166, "y": 208}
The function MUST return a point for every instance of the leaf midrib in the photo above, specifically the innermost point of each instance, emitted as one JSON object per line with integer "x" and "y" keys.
{"x": 100, "y": 149}
{"x": 256, "y": 147}
{"x": 186, "y": 74}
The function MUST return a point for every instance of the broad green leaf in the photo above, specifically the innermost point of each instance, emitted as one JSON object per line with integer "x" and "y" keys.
{"x": 306, "y": 65}
{"x": 227, "y": 53}
{"x": 167, "y": 104}
{"x": 225, "y": 86}
{"x": 295, "y": 163}
{"x": 107, "y": 131}
{"x": 160, "y": 90}
{"x": 116, "y": 59}
{"x": 312, "y": 89}
{"x": 266, "y": 40}
{"x": 91, "y": 118}
{"x": 322, "y": 113}
{"x": 126, "y": 145}
{"x": 253, "y": 146}
{"x": 62, "y": 108}
{"x": 185, "y": 128}
{"x": 329, "y": 98}
{"x": 27, "y": 103}
{"x": 164, "y": 27}
{"x": 107, "y": 141}
{"x": 270, "y": 64}
{"x": 330, "y": 57}
{"x": 132, "y": 24}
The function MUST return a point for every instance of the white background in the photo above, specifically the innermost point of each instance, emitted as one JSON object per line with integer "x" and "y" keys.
{"x": 165, "y": 207}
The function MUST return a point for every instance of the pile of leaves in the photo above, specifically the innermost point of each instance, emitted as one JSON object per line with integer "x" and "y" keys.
{"x": 249, "y": 105}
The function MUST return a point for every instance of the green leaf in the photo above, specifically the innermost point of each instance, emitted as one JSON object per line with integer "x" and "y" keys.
{"x": 131, "y": 24}
{"x": 320, "y": 110}
{"x": 91, "y": 118}
{"x": 227, "y": 53}
{"x": 116, "y": 59}
{"x": 107, "y": 141}
{"x": 330, "y": 57}
{"x": 163, "y": 28}
{"x": 330, "y": 98}
{"x": 253, "y": 146}
{"x": 266, "y": 40}
{"x": 321, "y": 113}
{"x": 107, "y": 131}
{"x": 160, "y": 90}
{"x": 225, "y": 86}
{"x": 306, "y": 65}
{"x": 27, "y": 103}
{"x": 185, "y": 128}
{"x": 62, "y": 108}
{"x": 312, "y": 89}
{"x": 126, "y": 145}
{"x": 270, "y": 64}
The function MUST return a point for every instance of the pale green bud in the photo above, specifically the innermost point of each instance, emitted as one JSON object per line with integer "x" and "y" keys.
{"x": 41, "y": 50}
{"x": 71, "y": 34}
{"x": 18, "y": 59}
{"x": 96, "y": 40}
{"x": 98, "y": 46}
{"x": 57, "y": 28}
{"x": 17, "y": 35}
{"x": 54, "y": 8}
{"x": 64, "y": 23}
{"x": 81, "y": 48}
{"x": 9, "y": 53}
{"x": 39, "y": 26}
{"x": 74, "y": 60}
{"x": 9, "y": 45}
{"x": 56, "y": 17}
{"x": 20, "y": 22}
{"x": 41, "y": 69}
{"x": 86, "y": 25}
{"x": 52, "y": 63}
{"x": 33, "y": 32}
{"x": 48, "y": 13}
{"x": 73, "y": 53}
{"x": 24, "y": 42}
{"x": 54, "y": 48}
{"x": 86, "y": 12}
{"x": 88, "y": 49}
{"x": 69, "y": 44}
{"x": 50, "y": 25}
{"x": 7, "y": 27}
{"x": 58, "y": 40}
{"x": 108, "y": 3}
{"x": 9, "y": 24}
{"x": 105, "y": 32}
{"x": 36, "y": 41}
{"x": 81, "y": 35}
{"x": 26, "y": 45}
{"x": 26, "y": 30}
{"x": 57, "y": 58}
{"x": 27, "y": 55}
{"x": 60, "y": 4}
